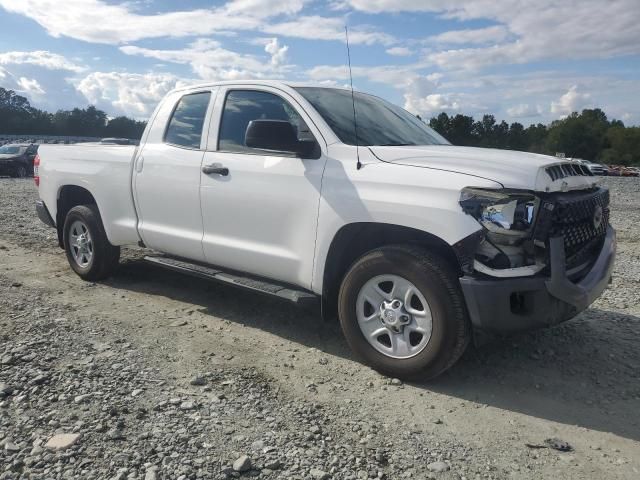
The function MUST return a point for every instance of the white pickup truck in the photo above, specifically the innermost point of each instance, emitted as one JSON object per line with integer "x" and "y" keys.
{"x": 416, "y": 245}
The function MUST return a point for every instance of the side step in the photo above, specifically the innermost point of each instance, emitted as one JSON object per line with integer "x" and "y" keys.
{"x": 299, "y": 297}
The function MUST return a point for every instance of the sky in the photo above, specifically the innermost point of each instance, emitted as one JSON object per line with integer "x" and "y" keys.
{"x": 528, "y": 61}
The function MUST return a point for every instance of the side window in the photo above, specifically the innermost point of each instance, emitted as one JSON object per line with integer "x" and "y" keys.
{"x": 187, "y": 121}
{"x": 243, "y": 106}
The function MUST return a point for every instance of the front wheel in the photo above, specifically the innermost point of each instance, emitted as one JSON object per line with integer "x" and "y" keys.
{"x": 88, "y": 250}
{"x": 402, "y": 311}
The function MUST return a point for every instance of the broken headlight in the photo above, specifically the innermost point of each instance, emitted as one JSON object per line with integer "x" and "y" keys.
{"x": 506, "y": 215}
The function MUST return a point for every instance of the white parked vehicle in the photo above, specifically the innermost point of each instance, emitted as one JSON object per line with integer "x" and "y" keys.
{"x": 595, "y": 168}
{"x": 416, "y": 245}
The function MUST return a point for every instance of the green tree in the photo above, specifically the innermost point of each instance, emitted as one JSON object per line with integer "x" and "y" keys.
{"x": 18, "y": 117}
{"x": 579, "y": 135}
{"x": 536, "y": 137}
{"x": 124, "y": 127}
{"x": 623, "y": 146}
{"x": 517, "y": 137}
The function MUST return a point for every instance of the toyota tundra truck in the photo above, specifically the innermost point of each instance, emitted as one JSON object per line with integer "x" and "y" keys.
{"x": 340, "y": 199}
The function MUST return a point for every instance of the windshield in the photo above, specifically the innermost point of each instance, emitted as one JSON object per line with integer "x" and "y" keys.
{"x": 8, "y": 150}
{"x": 379, "y": 122}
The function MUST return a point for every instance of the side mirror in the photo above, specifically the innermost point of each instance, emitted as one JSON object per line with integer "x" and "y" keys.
{"x": 278, "y": 135}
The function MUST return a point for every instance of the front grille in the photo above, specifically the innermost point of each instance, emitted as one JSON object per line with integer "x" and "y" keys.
{"x": 564, "y": 170}
{"x": 581, "y": 218}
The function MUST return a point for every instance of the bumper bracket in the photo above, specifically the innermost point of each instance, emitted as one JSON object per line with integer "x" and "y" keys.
{"x": 524, "y": 303}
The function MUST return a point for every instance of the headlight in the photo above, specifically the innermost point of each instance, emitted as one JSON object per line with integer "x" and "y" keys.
{"x": 507, "y": 216}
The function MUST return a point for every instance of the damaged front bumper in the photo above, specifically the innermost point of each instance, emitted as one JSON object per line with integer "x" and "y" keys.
{"x": 523, "y": 303}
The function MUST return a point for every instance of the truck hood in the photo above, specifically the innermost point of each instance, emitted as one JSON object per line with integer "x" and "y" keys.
{"x": 512, "y": 169}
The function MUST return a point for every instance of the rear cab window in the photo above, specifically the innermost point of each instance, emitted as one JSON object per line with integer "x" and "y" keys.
{"x": 187, "y": 121}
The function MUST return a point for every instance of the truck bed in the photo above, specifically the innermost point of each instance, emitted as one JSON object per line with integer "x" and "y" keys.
{"x": 103, "y": 170}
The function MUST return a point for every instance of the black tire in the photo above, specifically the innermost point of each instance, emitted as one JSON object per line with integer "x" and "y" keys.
{"x": 20, "y": 172}
{"x": 104, "y": 258}
{"x": 437, "y": 282}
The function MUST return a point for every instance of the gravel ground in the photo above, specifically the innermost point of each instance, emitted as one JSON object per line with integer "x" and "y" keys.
{"x": 152, "y": 375}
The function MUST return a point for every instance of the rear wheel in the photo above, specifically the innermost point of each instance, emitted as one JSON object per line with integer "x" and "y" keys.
{"x": 402, "y": 312}
{"x": 88, "y": 250}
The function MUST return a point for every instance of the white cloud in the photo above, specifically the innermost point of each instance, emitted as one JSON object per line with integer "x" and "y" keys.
{"x": 212, "y": 62}
{"x": 131, "y": 94}
{"x": 497, "y": 33}
{"x": 97, "y": 21}
{"x": 7, "y": 80}
{"x": 572, "y": 101}
{"x": 524, "y": 110}
{"x": 539, "y": 29}
{"x": 399, "y": 51}
{"x": 40, "y": 58}
{"x": 278, "y": 53}
{"x": 396, "y": 76}
{"x": 264, "y": 8}
{"x": 100, "y": 22}
{"x": 432, "y": 104}
{"x": 31, "y": 86}
{"x": 420, "y": 96}
{"x": 328, "y": 28}
{"x": 520, "y": 32}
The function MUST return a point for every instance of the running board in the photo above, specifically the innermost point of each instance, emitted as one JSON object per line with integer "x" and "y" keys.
{"x": 299, "y": 297}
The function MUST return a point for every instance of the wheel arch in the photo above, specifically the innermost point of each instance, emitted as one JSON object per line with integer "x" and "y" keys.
{"x": 70, "y": 196}
{"x": 355, "y": 239}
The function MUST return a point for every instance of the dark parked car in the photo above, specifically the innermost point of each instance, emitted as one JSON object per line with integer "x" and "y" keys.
{"x": 17, "y": 160}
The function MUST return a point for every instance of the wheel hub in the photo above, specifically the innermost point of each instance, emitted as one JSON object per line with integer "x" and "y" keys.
{"x": 393, "y": 315}
{"x": 82, "y": 243}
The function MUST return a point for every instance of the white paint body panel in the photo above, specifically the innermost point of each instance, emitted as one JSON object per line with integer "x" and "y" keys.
{"x": 518, "y": 170}
{"x": 263, "y": 216}
{"x": 103, "y": 170}
{"x": 166, "y": 182}
{"x": 379, "y": 192}
{"x": 277, "y": 216}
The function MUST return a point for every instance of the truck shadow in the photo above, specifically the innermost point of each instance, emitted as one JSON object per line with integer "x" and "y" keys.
{"x": 585, "y": 372}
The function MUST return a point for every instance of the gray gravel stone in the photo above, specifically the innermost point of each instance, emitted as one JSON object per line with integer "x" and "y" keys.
{"x": 62, "y": 441}
{"x": 318, "y": 474}
{"x": 198, "y": 381}
{"x": 242, "y": 464}
{"x": 11, "y": 447}
{"x": 438, "y": 467}
{"x": 5, "y": 390}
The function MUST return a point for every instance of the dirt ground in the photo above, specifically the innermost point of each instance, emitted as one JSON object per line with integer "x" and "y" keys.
{"x": 165, "y": 376}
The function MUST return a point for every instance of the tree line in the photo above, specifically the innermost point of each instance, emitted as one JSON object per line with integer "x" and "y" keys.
{"x": 589, "y": 135}
{"x": 18, "y": 117}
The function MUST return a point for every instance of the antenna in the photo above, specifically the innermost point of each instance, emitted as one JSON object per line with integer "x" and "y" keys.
{"x": 353, "y": 100}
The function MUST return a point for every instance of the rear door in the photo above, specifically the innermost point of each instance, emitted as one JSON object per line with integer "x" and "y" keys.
{"x": 261, "y": 215}
{"x": 167, "y": 175}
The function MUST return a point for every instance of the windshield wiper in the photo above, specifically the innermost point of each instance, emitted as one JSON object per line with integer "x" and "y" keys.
{"x": 394, "y": 145}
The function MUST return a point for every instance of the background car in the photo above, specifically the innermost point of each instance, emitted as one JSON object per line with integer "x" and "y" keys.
{"x": 595, "y": 168}
{"x": 16, "y": 160}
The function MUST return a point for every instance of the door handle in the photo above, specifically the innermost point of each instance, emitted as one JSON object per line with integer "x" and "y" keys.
{"x": 139, "y": 163}
{"x": 215, "y": 168}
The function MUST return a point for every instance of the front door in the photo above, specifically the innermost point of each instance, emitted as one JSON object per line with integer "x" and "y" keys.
{"x": 260, "y": 208}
